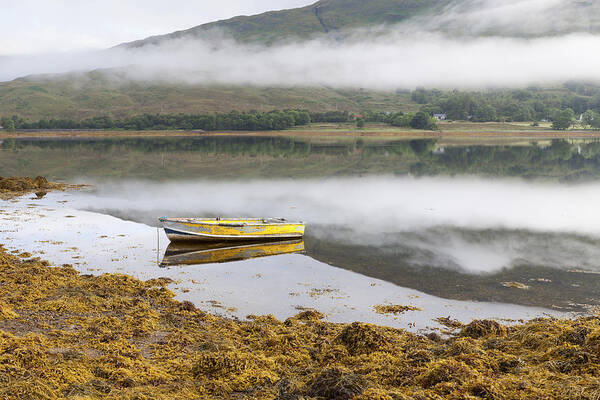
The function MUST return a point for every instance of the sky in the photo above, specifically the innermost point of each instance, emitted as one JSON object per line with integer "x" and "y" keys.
{"x": 42, "y": 26}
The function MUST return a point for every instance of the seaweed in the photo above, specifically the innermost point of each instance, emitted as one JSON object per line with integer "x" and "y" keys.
{"x": 18, "y": 186}
{"x": 394, "y": 309}
{"x": 483, "y": 328}
{"x": 72, "y": 336}
{"x": 336, "y": 383}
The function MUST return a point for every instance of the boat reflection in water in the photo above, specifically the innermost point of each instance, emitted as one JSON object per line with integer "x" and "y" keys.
{"x": 212, "y": 253}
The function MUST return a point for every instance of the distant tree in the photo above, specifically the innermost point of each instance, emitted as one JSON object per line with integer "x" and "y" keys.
{"x": 588, "y": 117}
{"x": 401, "y": 119}
{"x": 422, "y": 120}
{"x": 457, "y": 105}
{"x": 563, "y": 120}
{"x": 9, "y": 125}
{"x": 360, "y": 123}
{"x": 486, "y": 113}
{"x": 596, "y": 121}
{"x": 522, "y": 114}
{"x": 591, "y": 119}
{"x": 303, "y": 118}
{"x": 521, "y": 94}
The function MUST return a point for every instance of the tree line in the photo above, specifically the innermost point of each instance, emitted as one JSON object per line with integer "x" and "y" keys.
{"x": 562, "y": 106}
{"x": 575, "y": 104}
{"x": 233, "y": 121}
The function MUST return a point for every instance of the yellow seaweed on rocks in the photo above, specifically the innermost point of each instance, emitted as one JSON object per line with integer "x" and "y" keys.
{"x": 17, "y": 186}
{"x": 69, "y": 336}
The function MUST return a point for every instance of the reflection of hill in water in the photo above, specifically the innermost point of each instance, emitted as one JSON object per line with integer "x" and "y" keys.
{"x": 252, "y": 156}
{"x": 426, "y": 270}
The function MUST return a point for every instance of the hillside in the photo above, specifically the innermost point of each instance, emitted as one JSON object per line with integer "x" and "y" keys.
{"x": 451, "y": 17}
{"x": 81, "y": 96}
{"x": 325, "y": 16}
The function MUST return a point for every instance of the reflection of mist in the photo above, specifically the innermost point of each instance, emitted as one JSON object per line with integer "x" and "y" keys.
{"x": 464, "y": 224}
{"x": 475, "y": 251}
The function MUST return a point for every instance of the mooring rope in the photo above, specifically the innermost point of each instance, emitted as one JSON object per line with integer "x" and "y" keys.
{"x": 157, "y": 246}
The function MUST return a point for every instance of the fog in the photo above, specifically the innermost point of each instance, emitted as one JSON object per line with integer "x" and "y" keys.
{"x": 513, "y": 17}
{"x": 381, "y": 62}
{"x": 473, "y": 44}
{"x": 473, "y": 225}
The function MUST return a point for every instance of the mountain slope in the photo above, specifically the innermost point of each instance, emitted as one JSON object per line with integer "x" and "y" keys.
{"x": 79, "y": 96}
{"x": 325, "y": 16}
{"x": 522, "y": 18}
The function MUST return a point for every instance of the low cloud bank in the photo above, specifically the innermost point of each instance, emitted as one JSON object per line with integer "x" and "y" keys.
{"x": 372, "y": 61}
{"x": 512, "y": 18}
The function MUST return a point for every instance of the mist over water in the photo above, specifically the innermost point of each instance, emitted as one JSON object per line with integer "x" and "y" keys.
{"x": 465, "y": 224}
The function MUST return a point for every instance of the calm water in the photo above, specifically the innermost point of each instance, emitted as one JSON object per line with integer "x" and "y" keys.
{"x": 467, "y": 231}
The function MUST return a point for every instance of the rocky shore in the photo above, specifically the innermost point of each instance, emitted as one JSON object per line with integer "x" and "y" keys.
{"x": 18, "y": 186}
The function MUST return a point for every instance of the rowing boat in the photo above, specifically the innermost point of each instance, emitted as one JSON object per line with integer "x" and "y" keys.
{"x": 236, "y": 229}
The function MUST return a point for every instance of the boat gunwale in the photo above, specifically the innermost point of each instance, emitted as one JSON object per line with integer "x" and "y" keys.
{"x": 231, "y": 222}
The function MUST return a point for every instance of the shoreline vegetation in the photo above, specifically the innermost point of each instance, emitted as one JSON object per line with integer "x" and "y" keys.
{"x": 458, "y": 108}
{"x": 457, "y": 130}
{"x": 73, "y": 336}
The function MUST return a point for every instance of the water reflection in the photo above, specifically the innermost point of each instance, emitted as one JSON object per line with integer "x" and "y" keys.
{"x": 527, "y": 281}
{"x": 374, "y": 214}
{"x": 459, "y": 238}
{"x": 55, "y": 229}
{"x": 216, "y": 253}
{"x": 235, "y": 157}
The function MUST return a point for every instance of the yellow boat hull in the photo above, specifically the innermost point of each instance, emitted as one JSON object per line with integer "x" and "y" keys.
{"x": 215, "y": 229}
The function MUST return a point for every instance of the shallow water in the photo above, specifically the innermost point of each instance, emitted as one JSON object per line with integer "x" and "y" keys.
{"x": 465, "y": 245}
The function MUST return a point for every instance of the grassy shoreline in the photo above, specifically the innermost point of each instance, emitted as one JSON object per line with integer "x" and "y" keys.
{"x": 73, "y": 336}
{"x": 449, "y": 130}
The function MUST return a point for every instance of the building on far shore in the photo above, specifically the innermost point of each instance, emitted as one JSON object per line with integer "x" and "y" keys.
{"x": 440, "y": 117}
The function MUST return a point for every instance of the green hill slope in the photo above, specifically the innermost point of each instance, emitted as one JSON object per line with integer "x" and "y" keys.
{"x": 92, "y": 94}
{"x": 325, "y": 16}
{"x": 454, "y": 17}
